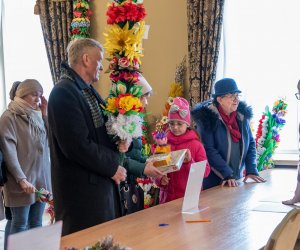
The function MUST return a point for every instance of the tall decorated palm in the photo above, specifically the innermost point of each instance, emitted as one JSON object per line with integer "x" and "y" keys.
{"x": 124, "y": 49}
{"x": 267, "y": 136}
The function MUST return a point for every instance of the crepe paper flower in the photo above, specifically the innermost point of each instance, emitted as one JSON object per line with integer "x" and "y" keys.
{"x": 44, "y": 195}
{"x": 176, "y": 90}
{"x": 123, "y": 62}
{"x": 128, "y": 11}
{"x": 267, "y": 135}
{"x": 151, "y": 192}
{"x": 81, "y": 19}
{"x": 159, "y": 135}
{"x": 125, "y": 41}
{"x": 124, "y": 104}
{"x": 164, "y": 120}
{"x": 125, "y": 127}
{"x": 125, "y": 76}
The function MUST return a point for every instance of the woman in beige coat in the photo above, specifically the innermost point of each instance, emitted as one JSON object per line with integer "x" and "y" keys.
{"x": 24, "y": 142}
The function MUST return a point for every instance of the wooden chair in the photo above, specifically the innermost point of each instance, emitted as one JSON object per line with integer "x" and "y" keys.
{"x": 285, "y": 235}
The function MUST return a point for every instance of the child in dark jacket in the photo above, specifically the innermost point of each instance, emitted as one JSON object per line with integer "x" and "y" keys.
{"x": 181, "y": 136}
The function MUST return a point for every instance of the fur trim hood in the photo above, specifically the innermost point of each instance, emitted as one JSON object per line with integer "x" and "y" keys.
{"x": 207, "y": 114}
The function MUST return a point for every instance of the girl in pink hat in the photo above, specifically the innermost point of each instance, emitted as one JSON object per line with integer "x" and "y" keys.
{"x": 181, "y": 136}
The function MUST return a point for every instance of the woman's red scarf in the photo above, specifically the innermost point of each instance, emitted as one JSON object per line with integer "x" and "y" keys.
{"x": 231, "y": 123}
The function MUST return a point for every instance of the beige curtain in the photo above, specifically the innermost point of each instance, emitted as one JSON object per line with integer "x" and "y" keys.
{"x": 205, "y": 19}
{"x": 56, "y": 17}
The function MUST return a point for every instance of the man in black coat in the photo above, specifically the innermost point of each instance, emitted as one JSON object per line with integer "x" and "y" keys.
{"x": 85, "y": 166}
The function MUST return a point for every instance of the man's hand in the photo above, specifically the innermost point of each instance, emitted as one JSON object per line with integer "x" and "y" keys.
{"x": 120, "y": 175}
{"x": 123, "y": 146}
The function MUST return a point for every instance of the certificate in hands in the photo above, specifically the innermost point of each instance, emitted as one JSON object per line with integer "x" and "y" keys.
{"x": 168, "y": 162}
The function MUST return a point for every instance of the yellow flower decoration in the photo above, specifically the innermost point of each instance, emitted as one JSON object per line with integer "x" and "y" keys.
{"x": 176, "y": 90}
{"x": 111, "y": 105}
{"x": 125, "y": 42}
{"x": 128, "y": 103}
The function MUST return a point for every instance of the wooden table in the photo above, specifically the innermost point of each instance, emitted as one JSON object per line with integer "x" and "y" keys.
{"x": 234, "y": 224}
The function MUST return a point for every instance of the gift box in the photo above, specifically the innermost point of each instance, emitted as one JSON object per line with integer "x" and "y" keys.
{"x": 168, "y": 162}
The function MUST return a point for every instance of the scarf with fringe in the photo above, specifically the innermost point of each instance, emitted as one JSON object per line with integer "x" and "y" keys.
{"x": 34, "y": 117}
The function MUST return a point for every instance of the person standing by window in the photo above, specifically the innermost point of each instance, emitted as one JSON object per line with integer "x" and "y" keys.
{"x": 296, "y": 197}
{"x": 24, "y": 142}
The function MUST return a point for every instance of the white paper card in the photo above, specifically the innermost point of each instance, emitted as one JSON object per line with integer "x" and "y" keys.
{"x": 272, "y": 207}
{"x": 193, "y": 188}
{"x": 46, "y": 238}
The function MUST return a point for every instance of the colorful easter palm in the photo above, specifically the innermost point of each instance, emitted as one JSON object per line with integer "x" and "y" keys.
{"x": 124, "y": 48}
{"x": 267, "y": 136}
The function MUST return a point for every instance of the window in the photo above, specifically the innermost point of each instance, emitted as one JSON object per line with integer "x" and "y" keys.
{"x": 23, "y": 46}
{"x": 261, "y": 50}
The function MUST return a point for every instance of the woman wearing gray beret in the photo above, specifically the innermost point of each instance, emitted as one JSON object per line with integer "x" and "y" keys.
{"x": 24, "y": 142}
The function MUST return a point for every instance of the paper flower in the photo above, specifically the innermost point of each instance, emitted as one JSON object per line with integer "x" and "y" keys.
{"x": 267, "y": 135}
{"x": 125, "y": 12}
{"x": 81, "y": 19}
{"x": 44, "y": 195}
{"x": 125, "y": 41}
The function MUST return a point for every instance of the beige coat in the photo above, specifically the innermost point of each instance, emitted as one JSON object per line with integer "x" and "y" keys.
{"x": 26, "y": 156}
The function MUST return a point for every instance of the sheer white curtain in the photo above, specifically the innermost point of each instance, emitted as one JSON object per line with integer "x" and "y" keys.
{"x": 261, "y": 51}
{"x": 23, "y": 45}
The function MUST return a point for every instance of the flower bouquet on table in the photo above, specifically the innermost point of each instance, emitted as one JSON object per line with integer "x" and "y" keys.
{"x": 106, "y": 244}
{"x": 267, "y": 135}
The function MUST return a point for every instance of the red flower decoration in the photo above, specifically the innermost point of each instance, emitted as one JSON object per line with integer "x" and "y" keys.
{"x": 126, "y": 12}
{"x": 77, "y": 13}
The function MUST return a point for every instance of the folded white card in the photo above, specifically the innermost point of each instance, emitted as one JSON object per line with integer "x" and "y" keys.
{"x": 193, "y": 188}
{"x": 46, "y": 238}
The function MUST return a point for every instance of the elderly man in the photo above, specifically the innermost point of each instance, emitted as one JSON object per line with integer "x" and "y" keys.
{"x": 85, "y": 163}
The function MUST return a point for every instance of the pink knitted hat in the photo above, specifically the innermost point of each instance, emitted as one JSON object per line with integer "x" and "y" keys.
{"x": 180, "y": 111}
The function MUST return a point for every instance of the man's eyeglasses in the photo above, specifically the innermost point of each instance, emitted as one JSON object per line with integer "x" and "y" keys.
{"x": 297, "y": 95}
{"x": 233, "y": 96}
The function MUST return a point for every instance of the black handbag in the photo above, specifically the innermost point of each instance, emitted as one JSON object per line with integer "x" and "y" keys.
{"x": 132, "y": 197}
